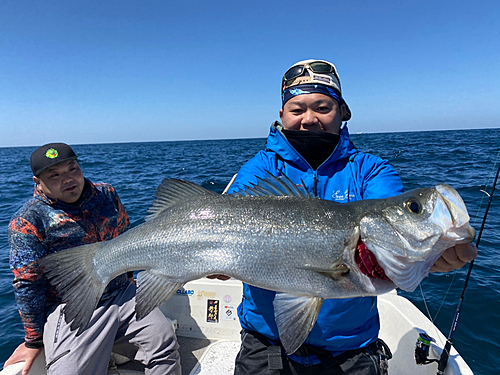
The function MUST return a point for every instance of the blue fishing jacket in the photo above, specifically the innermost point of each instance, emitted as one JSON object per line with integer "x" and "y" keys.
{"x": 346, "y": 176}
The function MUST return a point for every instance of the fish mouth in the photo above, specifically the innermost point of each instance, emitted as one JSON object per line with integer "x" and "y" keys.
{"x": 367, "y": 263}
{"x": 406, "y": 249}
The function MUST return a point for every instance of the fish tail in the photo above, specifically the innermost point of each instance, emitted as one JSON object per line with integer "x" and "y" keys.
{"x": 73, "y": 275}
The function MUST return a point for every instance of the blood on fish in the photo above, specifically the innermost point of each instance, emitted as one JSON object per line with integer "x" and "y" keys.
{"x": 367, "y": 262}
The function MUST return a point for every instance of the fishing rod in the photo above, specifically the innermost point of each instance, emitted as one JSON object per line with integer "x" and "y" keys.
{"x": 443, "y": 360}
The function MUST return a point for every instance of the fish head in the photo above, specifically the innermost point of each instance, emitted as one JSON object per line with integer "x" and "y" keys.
{"x": 410, "y": 232}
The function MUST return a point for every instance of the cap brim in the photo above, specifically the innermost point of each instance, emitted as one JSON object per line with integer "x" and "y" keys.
{"x": 51, "y": 165}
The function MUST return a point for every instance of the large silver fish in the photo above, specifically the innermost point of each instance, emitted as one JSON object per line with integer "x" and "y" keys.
{"x": 278, "y": 238}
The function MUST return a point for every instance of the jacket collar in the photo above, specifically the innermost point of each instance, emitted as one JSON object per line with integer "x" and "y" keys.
{"x": 278, "y": 143}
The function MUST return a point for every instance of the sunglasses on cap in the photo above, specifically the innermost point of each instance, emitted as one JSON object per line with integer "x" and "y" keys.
{"x": 319, "y": 67}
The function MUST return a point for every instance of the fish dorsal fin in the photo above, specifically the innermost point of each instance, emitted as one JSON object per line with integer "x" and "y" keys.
{"x": 273, "y": 186}
{"x": 173, "y": 191}
{"x": 295, "y": 317}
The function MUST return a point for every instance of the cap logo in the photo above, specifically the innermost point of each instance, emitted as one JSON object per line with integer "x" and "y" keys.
{"x": 324, "y": 79}
{"x": 52, "y": 153}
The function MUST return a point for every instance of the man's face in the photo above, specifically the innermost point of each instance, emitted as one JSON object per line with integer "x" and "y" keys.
{"x": 312, "y": 112}
{"x": 63, "y": 181}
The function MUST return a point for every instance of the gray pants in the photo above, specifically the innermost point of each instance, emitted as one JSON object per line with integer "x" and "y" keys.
{"x": 113, "y": 327}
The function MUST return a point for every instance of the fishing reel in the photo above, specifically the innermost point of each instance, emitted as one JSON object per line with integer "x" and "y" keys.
{"x": 422, "y": 347}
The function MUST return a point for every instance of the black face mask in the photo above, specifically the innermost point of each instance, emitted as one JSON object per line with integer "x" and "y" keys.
{"x": 314, "y": 146}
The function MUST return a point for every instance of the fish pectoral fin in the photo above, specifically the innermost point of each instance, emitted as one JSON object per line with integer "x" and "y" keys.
{"x": 332, "y": 273}
{"x": 295, "y": 317}
{"x": 153, "y": 290}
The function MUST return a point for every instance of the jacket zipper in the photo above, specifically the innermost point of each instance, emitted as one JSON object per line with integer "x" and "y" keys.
{"x": 315, "y": 183}
{"x": 315, "y": 174}
{"x": 56, "y": 359}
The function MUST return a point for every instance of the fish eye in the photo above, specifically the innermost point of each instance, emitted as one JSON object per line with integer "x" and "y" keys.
{"x": 414, "y": 206}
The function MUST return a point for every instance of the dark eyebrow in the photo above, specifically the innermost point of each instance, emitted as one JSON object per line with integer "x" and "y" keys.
{"x": 322, "y": 101}
{"x": 319, "y": 101}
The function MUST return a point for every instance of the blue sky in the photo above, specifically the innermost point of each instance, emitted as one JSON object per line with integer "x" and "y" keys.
{"x": 121, "y": 71}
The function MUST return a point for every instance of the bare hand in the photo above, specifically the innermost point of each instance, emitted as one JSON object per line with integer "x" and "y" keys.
{"x": 219, "y": 277}
{"x": 23, "y": 354}
{"x": 455, "y": 257}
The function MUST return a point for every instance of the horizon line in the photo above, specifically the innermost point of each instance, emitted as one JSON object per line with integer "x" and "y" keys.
{"x": 241, "y": 138}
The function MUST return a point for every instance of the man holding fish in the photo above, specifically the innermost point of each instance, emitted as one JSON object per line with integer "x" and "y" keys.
{"x": 68, "y": 210}
{"x": 312, "y": 148}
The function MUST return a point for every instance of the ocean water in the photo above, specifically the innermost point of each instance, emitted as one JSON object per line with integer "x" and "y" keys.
{"x": 463, "y": 159}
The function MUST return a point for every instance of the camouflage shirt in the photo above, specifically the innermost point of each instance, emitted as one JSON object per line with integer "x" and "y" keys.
{"x": 44, "y": 226}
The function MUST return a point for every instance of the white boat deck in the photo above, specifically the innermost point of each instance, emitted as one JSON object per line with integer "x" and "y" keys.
{"x": 204, "y": 313}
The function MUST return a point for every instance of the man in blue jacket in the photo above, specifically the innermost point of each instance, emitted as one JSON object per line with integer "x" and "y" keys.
{"x": 312, "y": 148}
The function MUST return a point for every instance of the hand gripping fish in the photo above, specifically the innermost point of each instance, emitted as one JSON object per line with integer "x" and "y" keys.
{"x": 277, "y": 238}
